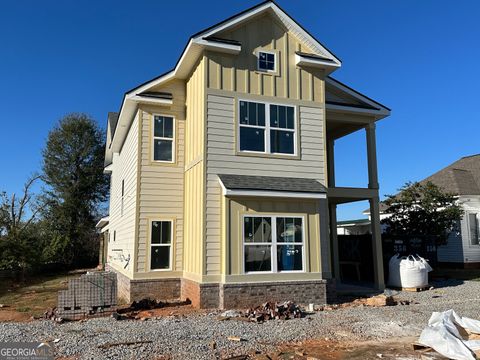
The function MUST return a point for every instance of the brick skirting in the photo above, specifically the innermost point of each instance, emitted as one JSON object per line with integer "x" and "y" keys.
{"x": 226, "y": 296}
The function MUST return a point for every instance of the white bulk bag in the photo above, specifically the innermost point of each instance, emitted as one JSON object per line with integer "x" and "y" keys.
{"x": 408, "y": 272}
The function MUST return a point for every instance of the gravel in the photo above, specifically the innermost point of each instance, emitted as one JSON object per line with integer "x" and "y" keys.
{"x": 190, "y": 336}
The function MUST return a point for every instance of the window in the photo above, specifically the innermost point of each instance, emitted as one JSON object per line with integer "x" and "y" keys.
{"x": 161, "y": 245}
{"x": 266, "y": 61}
{"x": 114, "y": 235}
{"x": 163, "y": 138}
{"x": 123, "y": 193}
{"x": 273, "y": 244}
{"x": 474, "y": 229}
{"x": 267, "y": 128}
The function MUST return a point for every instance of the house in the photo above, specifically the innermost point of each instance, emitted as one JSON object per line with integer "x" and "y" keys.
{"x": 462, "y": 178}
{"x": 353, "y": 227}
{"x": 222, "y": 177}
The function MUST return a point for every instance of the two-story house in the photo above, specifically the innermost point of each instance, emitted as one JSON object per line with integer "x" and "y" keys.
{"x": 222, "y": 169}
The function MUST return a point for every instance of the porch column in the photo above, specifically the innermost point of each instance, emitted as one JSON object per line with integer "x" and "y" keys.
{"x": 377, "y": 243}
{"x": 331, "y": 163}
{"x": 334, "y": 241}
{"x": 372, "y": 156}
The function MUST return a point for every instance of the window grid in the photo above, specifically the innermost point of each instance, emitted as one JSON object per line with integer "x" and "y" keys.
{"x": 152, "y": 245}
{"x": 163, "y": 138}
{"x": 268, "y": 128}
{"x": 273, "y": 243}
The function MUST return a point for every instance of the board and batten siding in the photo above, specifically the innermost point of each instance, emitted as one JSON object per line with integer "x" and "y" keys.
{"x": 195, "y": 174}
{"x": 125, "y": 167}
{"x": 161, "y": 184}
{"x": 239, "y": 73}
{"x": 223, "y": 159}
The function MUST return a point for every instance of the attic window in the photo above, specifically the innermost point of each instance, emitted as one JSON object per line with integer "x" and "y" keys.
{"x": 266, "y": 61}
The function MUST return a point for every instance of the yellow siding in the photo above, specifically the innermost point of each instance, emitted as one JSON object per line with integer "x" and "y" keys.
{"x": 161, "y": 185}
{"x": 124, "y": 224}
{"x": 195, "y": 174}
{"x": 239, "y": 72}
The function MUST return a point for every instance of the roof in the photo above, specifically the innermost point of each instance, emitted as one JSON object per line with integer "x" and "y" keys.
{"x": 460, "y": 178}
{"x": 353, "y": 222}
{"x": 157, "y": 95}
{"x": 271, "y": 183}
{"x": 112, "y": 120}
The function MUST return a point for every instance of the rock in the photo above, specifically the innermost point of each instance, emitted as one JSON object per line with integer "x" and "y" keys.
{"x": 231, "y": 313}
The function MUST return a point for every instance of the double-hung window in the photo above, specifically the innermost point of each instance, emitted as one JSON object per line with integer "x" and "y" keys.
{"x": 267, "y": 128}
{"x": 474, "y": 229}
{"x": 273, "y": 243}
{"x": 163, "y": 138}
{"x": 161, "y": 235}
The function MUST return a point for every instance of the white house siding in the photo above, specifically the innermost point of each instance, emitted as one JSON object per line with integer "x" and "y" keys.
{"x": 222, "y": 159}
{"x": 161, "y": 190}
{"x": 124, "y": 168}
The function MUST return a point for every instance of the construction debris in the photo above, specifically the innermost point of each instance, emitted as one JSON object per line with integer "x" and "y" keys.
{"x": 133, "y": 312}
{"x": 275, "y": 311}
{"x": 380, "y": 300}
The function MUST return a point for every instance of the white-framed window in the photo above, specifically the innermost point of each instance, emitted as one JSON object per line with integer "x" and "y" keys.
{"x": 273, "y": 243}
{"x": 474, "y": 228}
{"x": 267, "y": 128}
{"x": 266, "y": 61}
{"x": 163, "y": 141}
{"x": 161, "y": 239}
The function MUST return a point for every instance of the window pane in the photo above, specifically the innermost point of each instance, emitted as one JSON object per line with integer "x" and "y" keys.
{"x": 261, "y": 114}
{"x": 168, "y": 129}
{"x": 158, "y": 125}
{"x": 258, "y": 258}
{"x": 286, "y": 230}
{"x": 282, "y": 117}
{"x": 474, "y": 229}
{"x": 289, "y": 257}
{"x": 252, "y": 139}
{"x": 163, "y": 126}
{"x": 160, "y": 257}
{"x": 162, "y": 150}
{"x": 257, "y": 229}
{"x": 290, "y": 118}
{"x": 166, "y": 237}
{"x": 156, "y": 232}
{"x": 298, "y": 230}
{"x": 243, "y": 112}
{"x": 273, "y": 115}
{"x": 252, "y": 113}
{"x": 281, "y": 142}
{"x": 270, "y": 57}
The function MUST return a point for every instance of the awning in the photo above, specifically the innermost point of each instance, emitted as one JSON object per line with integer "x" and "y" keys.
{"x": 271, "y": 186}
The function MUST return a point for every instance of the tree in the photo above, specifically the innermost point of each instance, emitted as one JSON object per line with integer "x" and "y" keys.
{"x": 422, "y": 209}
{"x": 75, "y": 188}
{"x": 20, "y": 244}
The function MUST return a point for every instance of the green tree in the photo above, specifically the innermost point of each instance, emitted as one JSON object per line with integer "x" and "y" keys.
{"x": 422, "y": 209}
{"x": 20, "y": 242}
{"x": 75, "y": 189}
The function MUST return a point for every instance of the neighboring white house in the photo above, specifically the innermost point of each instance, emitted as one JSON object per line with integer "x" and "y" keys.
{"x": 463, "y": 178}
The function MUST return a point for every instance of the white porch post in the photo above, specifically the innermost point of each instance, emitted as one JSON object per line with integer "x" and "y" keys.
{"x": 377, "y": 243}
{"x": 372, "y": 156}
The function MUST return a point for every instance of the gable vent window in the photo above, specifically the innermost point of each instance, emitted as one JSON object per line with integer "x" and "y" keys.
{"x": 474, "y": 229}
{"x": 267, "y": 128}
{"x": 163, "y": 139}
{"x": 266, "y": 61}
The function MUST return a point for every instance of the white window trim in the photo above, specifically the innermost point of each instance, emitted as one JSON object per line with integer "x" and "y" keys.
{"x": 159, "y": 245}
{"x": 172, "y": 139}
{"x": 267, "y": 129}
{"x": 273, "y": 245}
{"x": 274, "y": 61}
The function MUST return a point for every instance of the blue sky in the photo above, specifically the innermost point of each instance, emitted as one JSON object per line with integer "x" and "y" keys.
{"x": 418, "y": 57}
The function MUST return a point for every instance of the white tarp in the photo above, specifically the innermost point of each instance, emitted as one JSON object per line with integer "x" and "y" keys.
{"x": 446, "y": 333}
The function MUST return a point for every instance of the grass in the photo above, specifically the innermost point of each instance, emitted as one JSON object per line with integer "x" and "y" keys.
{"x": 35, "y": 295}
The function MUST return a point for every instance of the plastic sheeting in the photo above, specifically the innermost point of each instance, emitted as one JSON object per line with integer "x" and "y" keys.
{"x": 408, "y": 272}
{"x": 447, "y": 334}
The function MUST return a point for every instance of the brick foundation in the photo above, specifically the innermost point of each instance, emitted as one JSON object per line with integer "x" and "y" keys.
{"x": 226, "y": 296}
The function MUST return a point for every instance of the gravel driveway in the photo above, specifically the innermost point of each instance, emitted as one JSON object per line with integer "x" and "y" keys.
{"x": 189, "y": 337}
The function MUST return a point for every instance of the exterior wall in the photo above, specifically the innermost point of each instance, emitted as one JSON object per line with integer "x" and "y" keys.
{"x": 239, "y": 73}
{"x": 459, "y": 248}
{"x": 122, "y": 226}
{"x": 195, "y": 174}
{"x": 161, "y": 184}
{"x": 222, "y": 158}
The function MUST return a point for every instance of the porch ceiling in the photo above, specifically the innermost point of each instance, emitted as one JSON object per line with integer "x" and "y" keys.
{"x": 342, "y": 195}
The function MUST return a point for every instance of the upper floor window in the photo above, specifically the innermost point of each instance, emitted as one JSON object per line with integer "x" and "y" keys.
{"x": 267, "y": 128}
{"x": 163, "y": 138}
{"x": 266, "y": 61}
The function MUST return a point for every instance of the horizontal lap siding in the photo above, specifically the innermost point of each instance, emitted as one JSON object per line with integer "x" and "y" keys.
{"x": 124, "y": 168}
{"x": 161, "y": 185}
{"x": 221, "y": 159}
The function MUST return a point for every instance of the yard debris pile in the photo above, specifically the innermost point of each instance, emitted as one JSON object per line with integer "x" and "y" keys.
{"x": 275, "y": 311}
{"x": 373, "y": 301}
{"x": 138, "y": 310}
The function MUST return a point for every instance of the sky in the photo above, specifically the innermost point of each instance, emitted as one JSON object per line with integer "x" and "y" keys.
{"x": 420, "y": 58}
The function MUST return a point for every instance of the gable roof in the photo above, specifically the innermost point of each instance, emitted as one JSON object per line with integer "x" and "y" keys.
{"x": 112, "y": 120}
{"x": 462, "y": 177}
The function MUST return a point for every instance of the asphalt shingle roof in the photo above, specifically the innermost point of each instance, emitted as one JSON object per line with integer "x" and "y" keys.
{"x": 271, "y": 183}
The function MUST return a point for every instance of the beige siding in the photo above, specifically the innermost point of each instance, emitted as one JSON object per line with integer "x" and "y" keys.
{"x": 161, "y": 185}
{"x": 124, "y": 168}
{"x": 239, "y": 72}
{"x": 195, "y": 173}
{"x": 222, "y": 159}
